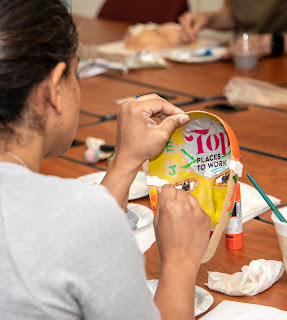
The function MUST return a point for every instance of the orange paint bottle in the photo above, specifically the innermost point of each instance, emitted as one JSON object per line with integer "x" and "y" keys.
{"x": 234, "y": 229}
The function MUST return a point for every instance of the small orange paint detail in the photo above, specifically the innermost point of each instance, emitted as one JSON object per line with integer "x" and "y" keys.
{"x": 153, "y": 199}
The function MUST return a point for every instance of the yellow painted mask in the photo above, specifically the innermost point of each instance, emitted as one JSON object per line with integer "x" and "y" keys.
{"x": 203, "y": 158}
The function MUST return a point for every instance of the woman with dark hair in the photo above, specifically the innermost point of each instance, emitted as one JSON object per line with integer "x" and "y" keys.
{"x": 67, "y": 251}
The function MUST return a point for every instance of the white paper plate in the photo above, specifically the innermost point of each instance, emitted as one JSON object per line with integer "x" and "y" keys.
{"x": 203, "y": 299}
{"x": 144, "y": 213}
{"x": 138, "y": 188}
{"x": 185, "y": 55}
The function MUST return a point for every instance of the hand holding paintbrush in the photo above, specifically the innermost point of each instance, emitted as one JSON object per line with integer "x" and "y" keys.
{"x": 193, "y": 22}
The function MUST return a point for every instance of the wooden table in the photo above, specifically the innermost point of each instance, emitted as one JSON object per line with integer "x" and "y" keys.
{"x": 261, "y": 133}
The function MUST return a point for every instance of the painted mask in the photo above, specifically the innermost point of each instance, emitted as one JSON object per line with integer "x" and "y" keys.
{"x": 203, "y": 158}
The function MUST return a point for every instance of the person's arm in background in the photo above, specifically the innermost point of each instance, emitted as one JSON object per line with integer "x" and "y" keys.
{"x": 222, "y": 19}
{"x": 139, "y": 138}
{"x": 267, "y": 45}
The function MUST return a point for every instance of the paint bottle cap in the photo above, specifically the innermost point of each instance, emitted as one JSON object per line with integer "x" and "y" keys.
{"x": 237, "y": 192}
{"x": 92, "y": 156}
{"x": 234, "y": 241}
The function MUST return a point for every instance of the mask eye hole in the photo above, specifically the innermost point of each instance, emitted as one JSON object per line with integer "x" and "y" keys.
{"x": 222, "y": 181}
{"x": 187, "y": 185}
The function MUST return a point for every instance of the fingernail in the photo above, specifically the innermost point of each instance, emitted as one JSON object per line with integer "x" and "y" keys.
{"x": 184, "y": 119}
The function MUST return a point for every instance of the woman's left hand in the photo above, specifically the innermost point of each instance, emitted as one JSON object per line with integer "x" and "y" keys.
{"x": 140, "y": 136}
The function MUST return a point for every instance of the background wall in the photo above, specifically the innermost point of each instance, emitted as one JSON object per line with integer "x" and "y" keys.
{"x": 90, "y": 8}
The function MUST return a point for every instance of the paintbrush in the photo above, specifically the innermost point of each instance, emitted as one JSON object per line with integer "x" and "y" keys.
{"x": 265, "y": 197}
{"x": 196, "y": 13}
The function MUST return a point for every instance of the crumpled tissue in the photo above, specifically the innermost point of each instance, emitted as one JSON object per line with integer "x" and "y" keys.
{"x": 258, "y": 276}
{"x": 93, "y": 67}
{"x": 140, "y": 60}
{"x": 145, "y": 237}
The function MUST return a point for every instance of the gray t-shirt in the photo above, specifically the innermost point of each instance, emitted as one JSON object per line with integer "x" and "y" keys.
{"x": 67, "y": 252}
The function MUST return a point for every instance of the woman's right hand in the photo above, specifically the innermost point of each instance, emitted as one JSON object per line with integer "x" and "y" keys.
{"x": 182, "y": 233}
{"x": 192, "y": 23}
{"x": 182, "y": 227}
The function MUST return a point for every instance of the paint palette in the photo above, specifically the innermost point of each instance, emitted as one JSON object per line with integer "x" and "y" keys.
{"x": 200, "y": 54}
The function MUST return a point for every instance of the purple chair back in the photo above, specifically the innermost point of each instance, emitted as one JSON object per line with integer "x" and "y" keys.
{"x": 157, "y": 11}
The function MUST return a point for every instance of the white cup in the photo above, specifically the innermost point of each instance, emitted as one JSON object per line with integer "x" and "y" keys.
{"x": 245, "y": 51}
{"x": 281, "y": 230}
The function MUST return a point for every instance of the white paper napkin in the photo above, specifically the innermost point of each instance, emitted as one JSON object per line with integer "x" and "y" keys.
{"x": 257, "y": 277}
{"x": 88, "y": 69}
{"x": 252, "y": 202}
{"x": 145, "y": 237}
{"x": 93, "y": 67}
{"x": 227, "y": 310}
{"x": 117, "y": 47}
